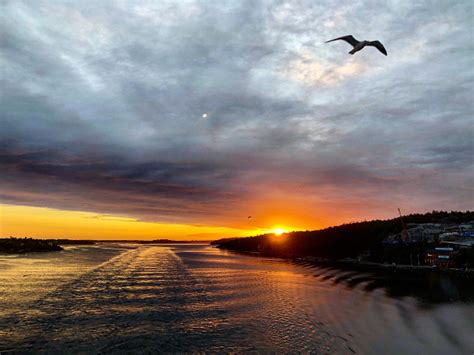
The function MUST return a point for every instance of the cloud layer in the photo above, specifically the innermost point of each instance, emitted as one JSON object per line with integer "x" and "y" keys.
{"x": 102, "y": 109}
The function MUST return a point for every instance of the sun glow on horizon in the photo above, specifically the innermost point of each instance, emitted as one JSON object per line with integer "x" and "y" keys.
{"x": 46, "y": 222}
{"x": 279, "y": 231}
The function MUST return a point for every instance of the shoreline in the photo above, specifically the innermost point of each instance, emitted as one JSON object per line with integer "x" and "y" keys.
{"x": 366, "y": 266}
{"x": 412, "y": 270}
{"x": 27, "y": 245}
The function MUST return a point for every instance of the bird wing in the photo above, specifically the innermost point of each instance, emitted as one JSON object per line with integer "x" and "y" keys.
{"x": 378, "y": 45}
{"x": 349, "y": 39}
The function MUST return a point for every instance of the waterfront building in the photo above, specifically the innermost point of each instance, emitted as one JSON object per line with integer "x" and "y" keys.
{"x": 444, "y": 257}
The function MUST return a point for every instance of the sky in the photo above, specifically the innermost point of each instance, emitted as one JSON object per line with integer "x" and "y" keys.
{"x": 143, "y": 119}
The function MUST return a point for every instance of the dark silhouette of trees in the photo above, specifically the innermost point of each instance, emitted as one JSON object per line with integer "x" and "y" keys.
{"x": 347, "y": 240}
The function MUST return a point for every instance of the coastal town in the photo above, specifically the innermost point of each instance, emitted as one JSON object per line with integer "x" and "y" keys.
{"x": 445, "y": 244}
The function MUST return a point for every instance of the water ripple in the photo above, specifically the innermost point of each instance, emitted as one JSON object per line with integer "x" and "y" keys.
{"x": 194, "y": 298}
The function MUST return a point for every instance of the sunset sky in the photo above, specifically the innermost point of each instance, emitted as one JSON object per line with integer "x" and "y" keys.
{"x": 153, "y": 119}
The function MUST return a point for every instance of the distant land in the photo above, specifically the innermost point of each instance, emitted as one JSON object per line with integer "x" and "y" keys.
{"x": 438, "y": 238}
{"x": 170, "y": 241}
{"x": 155, "y": 241}
{"x": 13, "y": 245}
{"x": 27, "y": 245}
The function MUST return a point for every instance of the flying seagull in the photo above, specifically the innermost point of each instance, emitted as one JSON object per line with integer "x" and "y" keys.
{"x": 359, "y": 45}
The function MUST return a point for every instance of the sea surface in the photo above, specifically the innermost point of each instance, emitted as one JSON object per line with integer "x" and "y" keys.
{"x": 175, "y": 298}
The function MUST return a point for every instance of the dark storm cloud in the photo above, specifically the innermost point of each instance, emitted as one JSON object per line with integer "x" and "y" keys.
{"x": 114, "y": 180}
{"x": 102, "y": 105}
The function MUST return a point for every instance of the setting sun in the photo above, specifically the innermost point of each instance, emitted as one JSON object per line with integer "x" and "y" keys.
{"x": 279, "y": 231}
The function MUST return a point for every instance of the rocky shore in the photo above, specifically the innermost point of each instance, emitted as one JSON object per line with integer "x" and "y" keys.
{"x": 27, "y": 245}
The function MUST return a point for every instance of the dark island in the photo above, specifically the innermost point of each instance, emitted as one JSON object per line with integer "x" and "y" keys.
{"x": 169, "y": 241}
{"x": 27, "y": 245}
{"x": 437, "y": 239}
{"x": 73, "y": 241}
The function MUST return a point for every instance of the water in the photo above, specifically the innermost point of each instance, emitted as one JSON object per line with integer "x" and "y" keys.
{"x": 114, "y": 298}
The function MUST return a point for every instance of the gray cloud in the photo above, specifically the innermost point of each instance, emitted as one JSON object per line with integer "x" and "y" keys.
{"x": 102, "y": 104}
